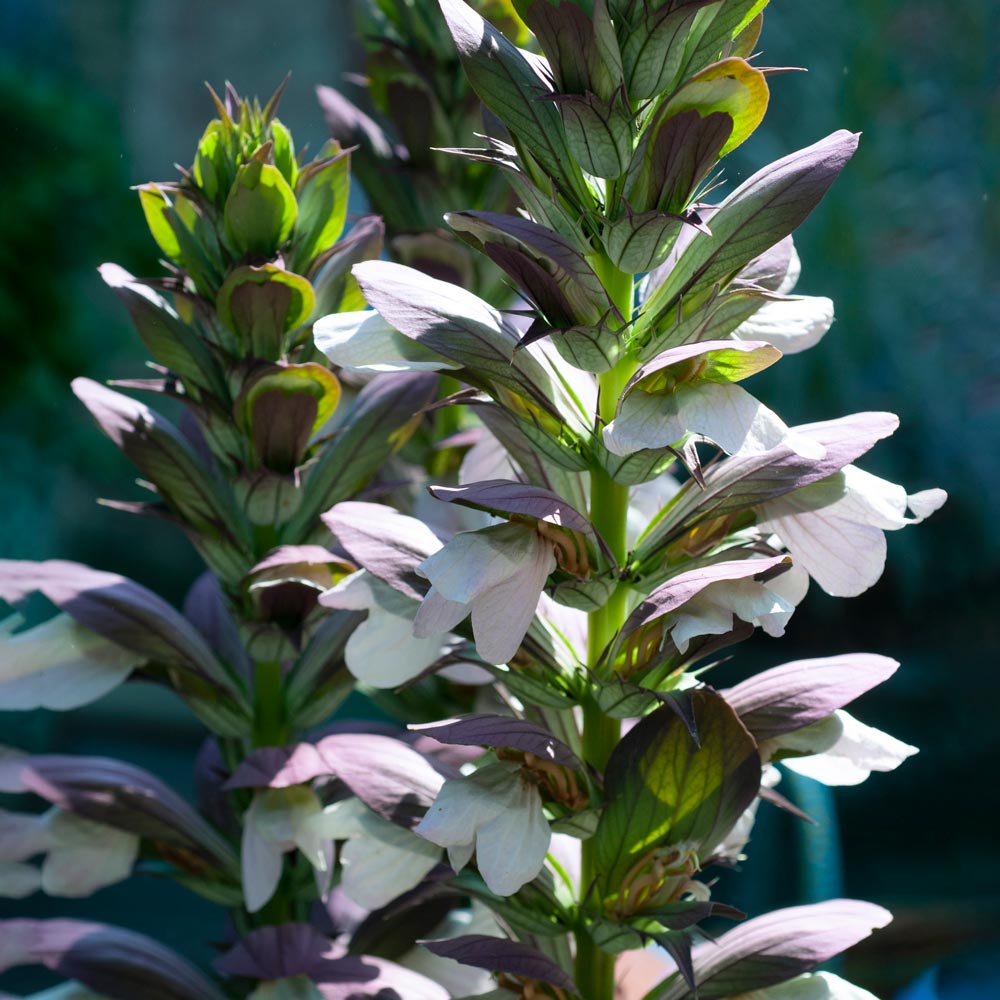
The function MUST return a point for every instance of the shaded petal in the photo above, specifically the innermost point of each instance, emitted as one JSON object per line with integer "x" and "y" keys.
{"x": 18, "y": 879}
{"x": 59, "y": 665}
{"x": 437, "y": 615}
{"x": 501, "y": 616}
{"x": 460, "y": 855}
{"x": 814, "y": 986}
{"x": 852, "y": 750}
{"x": 22, "y": 835}
{"x": 261, "y": 862}
{"x": 463, "y": 805}
{"x": 384, "y": 862}
{"x": 364, "y": 341}
{"x": 385, "y": 650}
{"x": 85, "y": 856}
{"x": 791, "y": 325}
{"x": 511, "y": 849}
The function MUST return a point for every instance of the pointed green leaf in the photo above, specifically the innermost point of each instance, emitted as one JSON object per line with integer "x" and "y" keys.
{"x": 260, "y": 210}
{"x": 667, "y": 793}
{"x": 515, "y": 93}
{"x": 323, "y": 191}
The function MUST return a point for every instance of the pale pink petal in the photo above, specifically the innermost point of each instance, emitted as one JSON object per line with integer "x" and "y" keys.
{"x": 510, "y": 850}
{"x": 501, "y": 615}
{"x": 84, "y": 856}
{"x": 437, "y": 615}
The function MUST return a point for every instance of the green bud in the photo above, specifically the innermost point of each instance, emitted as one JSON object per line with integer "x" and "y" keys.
{"x": 260, "y": 210}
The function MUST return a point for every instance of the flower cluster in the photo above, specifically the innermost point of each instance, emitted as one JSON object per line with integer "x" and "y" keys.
{"x": 531, "y": 559}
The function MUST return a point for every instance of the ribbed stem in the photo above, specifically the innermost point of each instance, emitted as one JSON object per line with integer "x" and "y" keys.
{"x": 595, "y": 969}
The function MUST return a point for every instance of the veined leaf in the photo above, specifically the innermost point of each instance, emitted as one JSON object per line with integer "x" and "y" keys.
{"x": 515, "y": 93}
{"x": 759, "y": 213}
{"x": 666, "y": 792}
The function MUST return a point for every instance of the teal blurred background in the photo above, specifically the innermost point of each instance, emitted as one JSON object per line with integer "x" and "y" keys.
{"x": 101, "y": 95}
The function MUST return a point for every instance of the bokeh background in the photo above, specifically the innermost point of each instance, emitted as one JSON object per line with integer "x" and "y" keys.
{"x": 96, "y": 96}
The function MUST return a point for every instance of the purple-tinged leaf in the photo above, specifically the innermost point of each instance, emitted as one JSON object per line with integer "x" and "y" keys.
{"x": 678, "y": 945}
{"x": 759, "y": 213}
{"x": 165, "y": 457}
{"x": 510, "y": 87}
{"x": 680, "y": 589}
{"x": 667, "y": 793}
{"x": 114, "y": 962}
{"x": 507, "y": 497}
{"x": 172, "y": 342}
{"x": 391, "y": 778}
{"x": 680, "y": 916}
{"x": 797, "y": 694}
{"x": 122, "y": 796}
{"x": 457, "y": 325}
{"x": 281, "y": 951}
{"x": 335, "y": 287}
{"x": 380, "y": 421}
{"x": 117, "y": 609}
{"x": 719, "y": 361}
{"x": 673, "y": 156}
{"x": 287, "y": 950}
{"x": 501, "y": 731}
{"x": 500, "y": 955}
{"x": 777, "y": 947}
{"x": 386, "y": 543}
{"x": 350, "y": 126}
{"x": 740, "y": 482}
{"x": 205, "y": 608}
{"x": 553, "y": 272}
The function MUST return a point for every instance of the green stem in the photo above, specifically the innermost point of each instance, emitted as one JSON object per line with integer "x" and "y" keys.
{"x": 595, "y": 969}
{"x": 270, "y": 721}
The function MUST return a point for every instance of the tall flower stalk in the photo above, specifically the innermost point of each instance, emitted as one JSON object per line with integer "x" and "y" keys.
{"x": 623, "y": 510}
{"x": 637, "y": 482}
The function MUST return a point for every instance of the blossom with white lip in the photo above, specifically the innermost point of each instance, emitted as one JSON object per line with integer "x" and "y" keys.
{"x": 365, "y": 342}
{"x": 497, "y": 814}
{"x": 380, "y": 860}
{"x": 768, "y": 606}
{"x": 692, "y": 390}
{"x": 280, "y": 820}
{"x": 496, "y": 575}
{"x": 81, "y": 856}
{"x": 59, "y": 665}
{"x": 835, "y": 528}
{"x": 383, "y": 651}
{"x": 812, "y": 986}
{"x": 839, "y": 750}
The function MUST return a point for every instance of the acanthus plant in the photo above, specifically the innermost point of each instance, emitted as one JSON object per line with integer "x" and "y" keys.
{"x": 631, "y": 509}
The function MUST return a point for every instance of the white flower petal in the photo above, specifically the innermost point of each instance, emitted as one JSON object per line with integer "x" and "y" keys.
{"x": 59, "y": 665}
{"x": 845, "y": 558}
{"x": 437, "y": 615}
{"x": 84, "y": 856}
{"x": 511, "y": 849}
{"x": 22, "y": 835}
{"x": 486, "y": 459}
{"x": 463, "y": 805}
{"x": 384, "y": 862}
{"x": 18, "y": 879}
{"x": 261, "y": 863}
{"x": 501, "y": 615}
{"x": 813, "y": 986}
{"x": 855, "y": 752}
{"x": 791, "y": 325}
{"x": 474, "y": 561}
{"x": 365, "y": 342}
{"x": 384, "y": 652}
{"x": 700, "y": 616}
{"x": 459, "y": 855}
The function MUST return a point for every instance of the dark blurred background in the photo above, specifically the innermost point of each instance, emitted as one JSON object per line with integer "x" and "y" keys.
{"x": 102, "y": 95}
